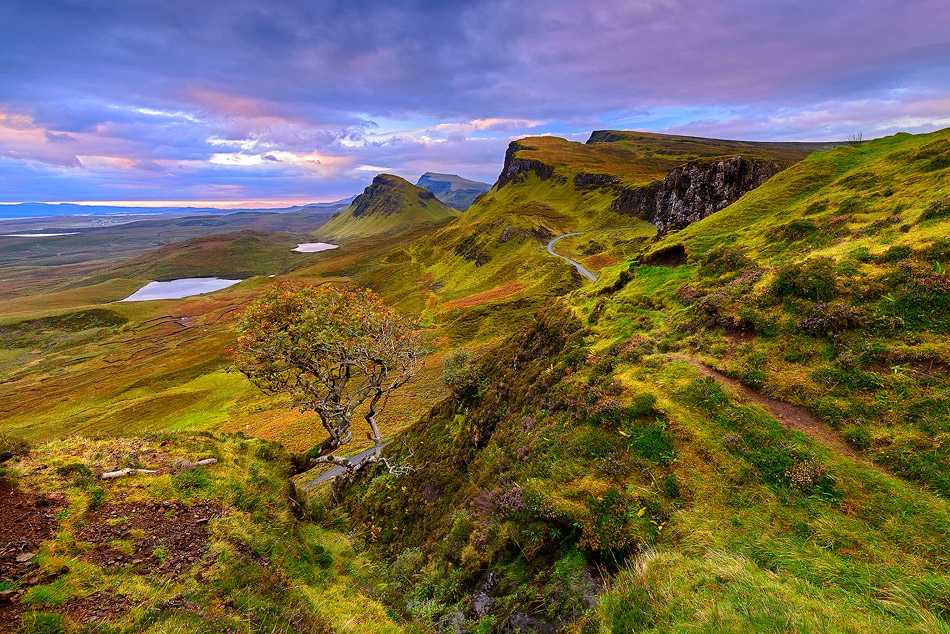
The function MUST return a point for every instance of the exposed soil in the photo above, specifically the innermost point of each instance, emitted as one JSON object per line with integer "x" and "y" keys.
{"x": 600, "y": 261}
{"x": 492, "y": 294}
{"x": 98, "y": 606}
{"x": 790, "y": 416}
{"x": 25, "y": 521}
{"x": 178, "y": 532}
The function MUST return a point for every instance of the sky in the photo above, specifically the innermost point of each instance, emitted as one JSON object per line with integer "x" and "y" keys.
{"x": 271, "y": 102}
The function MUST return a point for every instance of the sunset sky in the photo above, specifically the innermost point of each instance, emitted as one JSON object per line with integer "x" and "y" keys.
{"x": 297, "y": 101}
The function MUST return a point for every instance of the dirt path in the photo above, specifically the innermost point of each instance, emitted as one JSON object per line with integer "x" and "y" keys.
{"x": 790, "y": 416}
{"x": 577, "y": 265}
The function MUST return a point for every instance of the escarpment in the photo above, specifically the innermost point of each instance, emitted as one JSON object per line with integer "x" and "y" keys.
{"x": 693, "y": 191}
{"x": 516, "y": 169}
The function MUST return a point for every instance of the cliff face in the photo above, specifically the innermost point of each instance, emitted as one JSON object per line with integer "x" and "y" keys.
{"x": 693, "y": 191}
{"x": 516, "y": 168}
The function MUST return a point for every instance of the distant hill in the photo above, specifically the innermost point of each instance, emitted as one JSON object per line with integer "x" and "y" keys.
{"x": 452, "y": 189}
{"x": 48, "y": 210}
{"x": 131, "y": 238}
{"x": 389, "y": 205}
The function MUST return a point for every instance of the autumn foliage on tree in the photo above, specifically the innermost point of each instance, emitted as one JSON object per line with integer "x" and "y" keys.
{"x": 337, "y": 352}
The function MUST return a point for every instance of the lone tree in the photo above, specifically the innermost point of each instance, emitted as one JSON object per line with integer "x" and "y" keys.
{"x": 334, "y": 351}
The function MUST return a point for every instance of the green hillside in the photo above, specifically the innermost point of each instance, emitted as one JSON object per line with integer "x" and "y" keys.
{"x": 741, "y": 428}
{"x": 494, "y": 253}
{"x": 389, "y": 205}
{"x": 741, "y": 425}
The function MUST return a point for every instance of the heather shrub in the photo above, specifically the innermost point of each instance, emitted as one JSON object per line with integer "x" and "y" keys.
{"x": 812, "y": 279}
{"x": 459, "y": 374}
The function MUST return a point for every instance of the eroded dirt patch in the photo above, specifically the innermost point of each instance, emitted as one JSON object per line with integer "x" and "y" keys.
{"x": 98, "y": 606}
{"x": 165, "y": 538}
{"x": 25, "y": 521}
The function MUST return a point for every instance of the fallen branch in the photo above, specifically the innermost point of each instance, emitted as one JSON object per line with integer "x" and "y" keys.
{"x": 185, "y": 465}
{"x": 111, "y": 475}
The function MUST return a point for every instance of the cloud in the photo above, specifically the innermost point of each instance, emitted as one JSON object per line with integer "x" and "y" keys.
{"x": 286, "y": 98}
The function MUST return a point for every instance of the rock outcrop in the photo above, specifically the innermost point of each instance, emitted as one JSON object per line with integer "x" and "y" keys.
{"x": 516, "y": 169}
{"x": 693, "y": 191}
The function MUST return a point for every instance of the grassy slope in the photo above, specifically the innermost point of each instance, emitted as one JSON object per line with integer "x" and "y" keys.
{"x": 498, "y": 243}
{"x": 600, "y": 451}
{"x": 260, "y": 569}
{"x": 860, "y": 337}
{"x": 638, "y": 158}
{"x": 397, "y": 206}
{"x": 729, "y": 517}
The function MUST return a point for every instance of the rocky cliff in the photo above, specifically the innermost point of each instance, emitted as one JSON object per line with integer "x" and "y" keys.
{"x": 693, "y": 191}
{"x": 516, "y": 169}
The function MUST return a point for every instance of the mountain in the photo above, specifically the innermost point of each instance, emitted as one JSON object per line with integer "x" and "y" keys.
{"x": 740, "y": 425}
{"x": 619, "y": 190}
{"x": 389, "y": 205}
{"x": 452, "y": 189}
{"x": 715, "y": 435}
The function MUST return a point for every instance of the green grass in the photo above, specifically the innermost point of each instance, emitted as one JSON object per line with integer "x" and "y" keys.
{"x": 390, "y": 205}
{"x": 262, "y": 570}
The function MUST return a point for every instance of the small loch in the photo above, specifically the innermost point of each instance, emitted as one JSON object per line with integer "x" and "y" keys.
{"x": 37, "y": 235}
{"x": 314, "y": 247}
{"x": 176, "y": 289}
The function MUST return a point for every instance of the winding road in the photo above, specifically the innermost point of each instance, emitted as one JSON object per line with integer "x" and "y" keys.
{"x": 577, "y": 265}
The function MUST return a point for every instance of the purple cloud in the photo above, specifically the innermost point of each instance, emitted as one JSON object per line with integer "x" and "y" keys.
{"x": 292, "y": 99}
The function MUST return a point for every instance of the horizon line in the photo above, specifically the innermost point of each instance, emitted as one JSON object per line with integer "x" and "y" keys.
{"x": 256, "y": 203}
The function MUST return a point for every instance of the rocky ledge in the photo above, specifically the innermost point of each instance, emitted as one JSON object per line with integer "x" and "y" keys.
{"x": 516, "y": 169}
{"x": 693, "y": 191}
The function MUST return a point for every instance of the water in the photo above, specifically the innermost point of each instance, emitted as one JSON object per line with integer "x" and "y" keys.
{"x": 36, "y": 235}
{"x": 315, "y": 247}
{"x": 176, "y": 289}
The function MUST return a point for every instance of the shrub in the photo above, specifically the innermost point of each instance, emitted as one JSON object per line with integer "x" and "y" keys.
{"x": 798, "y": 230}
{"x": 856, "y": 436}
{"x": 724, "y": 260}
{"x": 830, "y": 319}
{"x": 11, "y": 447}
{"x": 97, "y": 496}
{"x": 936, "y": 209}
{"x": 459, "y": 374}
{"x": 849, "y": 205}
{"x": 191, "y": 480}
{"x": 805, "y": 475}
{"x": 812, "y": 279}
{"x": 76, "y": 472}
{"x": 643, "y": 405}
{"x": 896, "y": 253}
{"x": 861, "y": 254}
{"x": 939, "y": 251}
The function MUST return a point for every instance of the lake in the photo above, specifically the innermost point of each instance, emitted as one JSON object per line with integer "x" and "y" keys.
{"x": 35, "y": 235}
{"x": 315, "y": 247}
{"x": 176, "y": 289}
